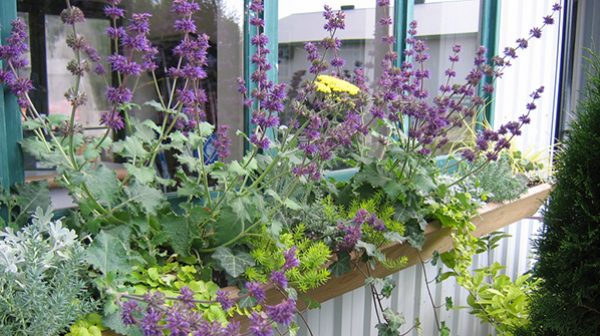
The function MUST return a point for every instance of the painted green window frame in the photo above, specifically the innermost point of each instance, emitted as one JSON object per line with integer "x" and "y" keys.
{"x": 11, "y": 157}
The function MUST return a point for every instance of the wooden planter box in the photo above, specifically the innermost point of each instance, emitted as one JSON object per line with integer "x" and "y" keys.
{"x": 491, "y": 217}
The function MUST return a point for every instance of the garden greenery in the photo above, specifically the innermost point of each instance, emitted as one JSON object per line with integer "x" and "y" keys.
{"x": 271, "y": 222}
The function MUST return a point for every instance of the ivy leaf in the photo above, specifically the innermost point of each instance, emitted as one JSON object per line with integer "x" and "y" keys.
{"x": 342, "y": 265}
{"x": 110, "y": 251}
{"x": 233, "y": 264}
{"x": 371, "y": 250}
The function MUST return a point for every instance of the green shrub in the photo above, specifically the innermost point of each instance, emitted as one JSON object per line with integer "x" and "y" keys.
{"x": 568, "y": 300}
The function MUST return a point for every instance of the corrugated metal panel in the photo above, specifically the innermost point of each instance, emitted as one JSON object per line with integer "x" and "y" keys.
{"x": 352, "y": 314}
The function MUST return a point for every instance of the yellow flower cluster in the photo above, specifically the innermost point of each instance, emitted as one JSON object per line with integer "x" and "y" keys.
{"x": 330, "y": 84}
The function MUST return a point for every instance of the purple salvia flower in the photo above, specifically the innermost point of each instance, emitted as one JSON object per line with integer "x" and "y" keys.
{"x": 282, "y": 313}
{"x": 291, "y": 260}
{"x": 536, "y": 32}
{"x": 185, "y": 25}
{"x": 259, "y": 325}
{"x": 224, "y": 300}
{"x": 129, "y": 308}
{"x": 186, "y": 297}
{"x": 113, "y": 120}
{"x": 177, "y": 323}
{"x": 184, "y": 7}
{"x": 72, "y": 15}
{"x": 117, "y": 96}
{"x": 222, "y": 142}
{"x": 256, "y": 291}
{"x": 279, "y": 279}
{"x": 150, "y": 324}
{"x": 114, "y": 12}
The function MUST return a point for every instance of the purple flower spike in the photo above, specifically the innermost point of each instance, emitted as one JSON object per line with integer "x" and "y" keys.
{"x": 291, "y": 260}
{"x": 223, "y": 142}
{"x": 256, "y": 291}
{"x": 129, "y": 308}
{"x": 260, "y": 326}
{"x": 279, "y": 279}
{"x": 113, "y": 120}
{"x": 282, "y": 313}
{"x": 224, "y": 299}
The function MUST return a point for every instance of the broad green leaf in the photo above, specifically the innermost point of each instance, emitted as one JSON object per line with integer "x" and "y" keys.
{"x": 205, "y": 129}
{"x": 148, "y": 198}
{"x": 229, "y": 225}
{"x": 234, "y": 264}
{"x": 103, "y": 184}
{"x": 237, "y": 169}
{"x": 179, "y": 233}
{"x": 144, "y": 175}
{"x": 110, "y": 252}
{"x": 291, "y": 204}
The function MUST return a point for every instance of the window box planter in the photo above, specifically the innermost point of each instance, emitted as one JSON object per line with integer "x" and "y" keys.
{"x": 492, "y": 216}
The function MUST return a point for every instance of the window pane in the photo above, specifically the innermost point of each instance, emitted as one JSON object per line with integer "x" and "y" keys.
{"x": 60, "y": 79}
{"x": 222, "y": 21}
{"x": 443, "y": 24}
{"x": 302, "y": 21}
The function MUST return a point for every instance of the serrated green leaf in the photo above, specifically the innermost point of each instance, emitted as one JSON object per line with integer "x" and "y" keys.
{"x": 150, "y": 199}
{"x": 179, "y": 233}
{"x": 292, "y": 205}
{"x": 110, "y": 252}
{"x": 234, "y": 264}
{"x": 144, "y": 175}
{"x": 103, "y": 184}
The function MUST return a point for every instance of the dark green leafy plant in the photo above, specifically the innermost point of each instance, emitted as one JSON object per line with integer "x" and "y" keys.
{"x": 568, "y": 249}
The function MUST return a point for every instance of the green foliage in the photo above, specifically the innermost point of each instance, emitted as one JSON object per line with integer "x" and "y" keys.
{"x": 42, "y": 290}
{"x": 170, "y": 278}
{"x": 496, "y": 181}
{"x": 90, "y": 325}
{"x": 568, "y": 253}
{"x": 493, "y": 297}
{"x": 21, "y": 202}
{"x": 312, "y": 255}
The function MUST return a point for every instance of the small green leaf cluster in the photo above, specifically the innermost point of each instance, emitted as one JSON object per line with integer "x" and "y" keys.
{"x": 42, "y": 287}
{"x": 313, "y": 256}
{"x": 496, "y": 299}
{"x": 90, "y": 325}
{"x": 170, "y": 278}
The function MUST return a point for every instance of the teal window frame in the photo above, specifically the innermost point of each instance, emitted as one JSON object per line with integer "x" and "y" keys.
{"x": 11, "y": 133}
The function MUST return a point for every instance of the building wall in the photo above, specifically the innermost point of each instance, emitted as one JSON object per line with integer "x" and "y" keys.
{"x": 353, "y": 314}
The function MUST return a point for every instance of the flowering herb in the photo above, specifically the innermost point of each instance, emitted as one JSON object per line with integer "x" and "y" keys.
{"x": 231, "y": 219}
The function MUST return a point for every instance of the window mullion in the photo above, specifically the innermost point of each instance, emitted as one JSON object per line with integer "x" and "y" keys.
{"x": 403, "y": 15}
{"x": 489, "y": 27}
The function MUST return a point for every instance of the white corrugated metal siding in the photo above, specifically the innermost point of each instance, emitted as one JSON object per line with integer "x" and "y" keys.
{"x": 352, "y": 314}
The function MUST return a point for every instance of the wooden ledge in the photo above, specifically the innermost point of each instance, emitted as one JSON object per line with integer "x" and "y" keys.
{"x": 492, "y": 216}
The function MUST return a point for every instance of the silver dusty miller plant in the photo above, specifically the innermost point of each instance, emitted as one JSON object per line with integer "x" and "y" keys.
{"x": 41, "y": 286}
